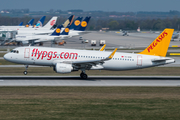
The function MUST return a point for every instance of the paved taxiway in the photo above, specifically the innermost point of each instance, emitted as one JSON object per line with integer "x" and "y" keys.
{"x": 91, "y": 81}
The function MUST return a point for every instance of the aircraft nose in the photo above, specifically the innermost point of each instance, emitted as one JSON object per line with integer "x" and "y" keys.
{"x": 6, "y": 57}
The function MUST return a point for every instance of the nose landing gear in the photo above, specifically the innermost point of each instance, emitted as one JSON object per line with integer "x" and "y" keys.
{"x": 25, "y": 72}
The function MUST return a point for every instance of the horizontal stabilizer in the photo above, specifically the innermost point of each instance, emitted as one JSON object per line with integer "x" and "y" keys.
{"x": 160, "y": 60}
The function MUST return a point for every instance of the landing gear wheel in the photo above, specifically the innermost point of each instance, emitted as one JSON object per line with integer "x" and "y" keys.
{"x": 25, "y": 72}
{"x": 83, "y": 76}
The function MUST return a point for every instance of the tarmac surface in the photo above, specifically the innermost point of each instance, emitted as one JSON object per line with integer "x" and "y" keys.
{"x": 91, "y": 81}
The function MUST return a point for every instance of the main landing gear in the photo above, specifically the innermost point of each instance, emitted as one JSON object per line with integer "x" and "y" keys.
{"x": 83, "y": 75}
{"x": 25, "y": 72}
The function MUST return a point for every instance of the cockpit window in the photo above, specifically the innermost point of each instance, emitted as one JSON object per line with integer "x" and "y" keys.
{"x": 14, "y": 51}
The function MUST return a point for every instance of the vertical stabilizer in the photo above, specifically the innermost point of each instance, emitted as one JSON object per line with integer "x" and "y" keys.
{"x": 51, "y": 22}
{"x": 68, "y": 21}
{"x": 83, "y": 24}
{"x": 160, "y": 45}
{"x": 65, "y": 31}
{"x": 57, "y": 31}
{"x": 21, "y": 24}
{"x": 76, "y": 23}
{"x": 30, "y": 23}
{"x": 40, "y": 22}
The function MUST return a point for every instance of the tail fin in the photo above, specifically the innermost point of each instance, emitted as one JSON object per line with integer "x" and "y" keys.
{"x": 51, "y": 22}
{"x": 76, "y": 23}
{"x": 21, "y": 24}
{"x": 68, "y": 21}
{"x": 84, "y": 24}
{"x": 65, "y": 31}
{"x": 160, "y": 45}
{"x": 30, "y": 23}
{"x": 57, "y": 31}
{"x": 40, "y": 22}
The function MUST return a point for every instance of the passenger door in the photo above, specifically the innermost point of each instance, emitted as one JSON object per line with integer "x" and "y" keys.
{"x": 27, "y": 53}
{"x": 139, "y": 60}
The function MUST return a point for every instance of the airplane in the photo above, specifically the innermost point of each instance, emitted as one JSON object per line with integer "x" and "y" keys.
{"x": 175, "y": 35}
{"x": 26, "y": 27}
{"x": 19, "y": 26}
{"x": 45, "y": 29}
{"x": 34, "y": 39}
{"x": 25, "y": 39}
{"x": 68, "y": 60}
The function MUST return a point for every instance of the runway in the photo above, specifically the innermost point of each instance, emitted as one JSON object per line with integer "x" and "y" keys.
{"x": 91, "y": 81}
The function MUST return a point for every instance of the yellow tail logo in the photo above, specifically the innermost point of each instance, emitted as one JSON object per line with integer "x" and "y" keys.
{"x": 160, "y": 45}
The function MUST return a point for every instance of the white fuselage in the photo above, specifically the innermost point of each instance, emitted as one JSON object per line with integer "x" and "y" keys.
{"x": 36, "y": 38}
{"x": 50, "y": 56}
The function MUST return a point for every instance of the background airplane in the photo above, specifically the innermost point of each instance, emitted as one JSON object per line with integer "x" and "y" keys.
{"x": 175, "y": 35}
{"x": 45, "y": 29}
{"x": 34, "y": 39}
{"x": 79, "y": 28}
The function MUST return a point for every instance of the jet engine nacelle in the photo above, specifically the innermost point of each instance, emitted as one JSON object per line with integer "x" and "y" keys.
{"x": 63, "y": 68}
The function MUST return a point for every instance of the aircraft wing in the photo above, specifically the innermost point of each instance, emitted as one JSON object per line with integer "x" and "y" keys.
{"x": 87, "y": 64}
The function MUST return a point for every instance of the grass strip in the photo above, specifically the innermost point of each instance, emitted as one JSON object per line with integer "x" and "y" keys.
{"x": 87, "y": 103}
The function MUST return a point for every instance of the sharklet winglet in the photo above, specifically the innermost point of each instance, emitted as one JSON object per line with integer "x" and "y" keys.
{"x": 102, "y": 48}
{"x": 112, "y": 54}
